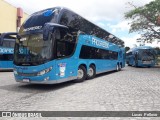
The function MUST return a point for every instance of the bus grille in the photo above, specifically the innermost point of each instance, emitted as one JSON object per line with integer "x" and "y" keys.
{"x": 27, "y": 74}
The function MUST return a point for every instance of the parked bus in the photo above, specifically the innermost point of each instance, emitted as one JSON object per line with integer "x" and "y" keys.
{"x": 143, "y": 56}
{"x": 7, "y": 42}
{"x": 57, "y": 45}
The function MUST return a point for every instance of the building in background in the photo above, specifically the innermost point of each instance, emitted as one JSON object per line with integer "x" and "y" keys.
{"x": 10, "y": 17}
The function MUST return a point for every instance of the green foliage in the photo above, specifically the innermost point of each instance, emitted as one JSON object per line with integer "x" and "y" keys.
{"x": 145, "y": 20}
{"x": 127, "y": 48}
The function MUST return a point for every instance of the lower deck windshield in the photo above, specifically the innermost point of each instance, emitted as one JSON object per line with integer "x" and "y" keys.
{"x": 32, "y": 50}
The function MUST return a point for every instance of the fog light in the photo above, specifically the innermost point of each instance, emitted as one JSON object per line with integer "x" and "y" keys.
{"x": 15, "y": 71}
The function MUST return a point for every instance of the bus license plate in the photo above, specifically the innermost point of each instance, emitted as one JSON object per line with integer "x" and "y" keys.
{"x": 146, "y": 62}
{"x": 26, "y": 80}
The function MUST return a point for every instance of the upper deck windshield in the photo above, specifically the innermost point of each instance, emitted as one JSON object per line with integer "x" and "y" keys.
{"x": 146, "y": 54}
{"x": 37, "y": 20}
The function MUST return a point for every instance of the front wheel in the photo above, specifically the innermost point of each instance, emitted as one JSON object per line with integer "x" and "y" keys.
{"x": 92, "y": 72}
{"x": 82, "y": 74}
{"x": 117, "y": 67}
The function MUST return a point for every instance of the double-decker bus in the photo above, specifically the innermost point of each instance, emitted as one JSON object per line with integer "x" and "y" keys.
{"x": 7, "y": 42}
{"x": 142, "y": 56}
{"x": 57, "y": 45}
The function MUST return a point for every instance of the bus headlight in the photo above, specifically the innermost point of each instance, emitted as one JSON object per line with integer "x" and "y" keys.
{"x": 15, "y": 71}
{"x": 44, "y": 71}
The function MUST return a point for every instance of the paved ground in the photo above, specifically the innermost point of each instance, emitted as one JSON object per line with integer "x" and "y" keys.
{"x": 132, "y": 89}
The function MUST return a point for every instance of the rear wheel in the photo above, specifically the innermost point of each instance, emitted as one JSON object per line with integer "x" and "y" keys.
{"x": 82, "y": 74}
{"x": 92, "y": 72}
{"x": 120, "y": 67}
{"x": 117, "y": 67}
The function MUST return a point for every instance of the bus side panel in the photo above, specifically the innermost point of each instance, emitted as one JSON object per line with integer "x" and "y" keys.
{"x": 66, "y": 68}
{"x": 105, "y": 65}
{"x": 3, "y": 64}
{"x": 10, "y": 64}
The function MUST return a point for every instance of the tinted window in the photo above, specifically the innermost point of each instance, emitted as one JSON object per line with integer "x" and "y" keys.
{"x": 75, "y": 21}
{"x": 6, "y": 57}
{"x": 9, "y": 44}
{"x": 64, "y": 43}
{"x": 88, "y": 52}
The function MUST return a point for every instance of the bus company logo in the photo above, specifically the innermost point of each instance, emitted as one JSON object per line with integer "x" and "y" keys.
{"x": 32, "y": 28}
{"x": 6, "y": 50}
{"x": 48, "y": 13}
{"x": 100, "y": 43}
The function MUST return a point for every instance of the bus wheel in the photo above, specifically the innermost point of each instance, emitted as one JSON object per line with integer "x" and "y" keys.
{"x": 117, "y": 67}
{"x": 120, "y": 67}
{"x": 82, "y": 74}
{"x": 136, "y": 63}
{"x": 92, "y": 72}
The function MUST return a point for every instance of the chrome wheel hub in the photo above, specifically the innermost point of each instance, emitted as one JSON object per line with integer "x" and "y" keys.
{"x": 80, "y": 74}
{"x": 91, "y": 72}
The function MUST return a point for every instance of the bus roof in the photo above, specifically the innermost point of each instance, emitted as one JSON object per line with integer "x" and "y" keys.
{"x": 139, "y": 47}
{"x": 112, "y": 38}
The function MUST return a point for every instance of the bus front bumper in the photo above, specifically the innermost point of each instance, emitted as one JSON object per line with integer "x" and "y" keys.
{"x": 45, "y": 81}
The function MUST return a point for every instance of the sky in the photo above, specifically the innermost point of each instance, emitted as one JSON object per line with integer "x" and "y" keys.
{"x": 108, "y": 14}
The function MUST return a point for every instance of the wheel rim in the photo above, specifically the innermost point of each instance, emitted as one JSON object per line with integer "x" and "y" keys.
{"x": 117, "y": 67}
{"x": 80, "y": 73}
{"x": 91, "y": 72}
{"x": 120, "y": 66}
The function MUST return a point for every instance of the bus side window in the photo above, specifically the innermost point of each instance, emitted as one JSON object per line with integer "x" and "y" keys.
{"x": 65, "y": 43}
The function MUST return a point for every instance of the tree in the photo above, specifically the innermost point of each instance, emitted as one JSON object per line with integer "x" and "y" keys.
{"x": 127, "y": 48}
{"x": 146, "y": 21}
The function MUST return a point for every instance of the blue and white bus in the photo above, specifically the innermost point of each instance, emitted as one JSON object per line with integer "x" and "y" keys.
{"x": 142, "y": 56}
{"x": 7, "y": 42}
{"x": 57, "y": 45}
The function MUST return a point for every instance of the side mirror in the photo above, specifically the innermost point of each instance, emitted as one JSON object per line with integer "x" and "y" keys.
{"x": 46, "y": 30}
{"x": 48, "y": 27}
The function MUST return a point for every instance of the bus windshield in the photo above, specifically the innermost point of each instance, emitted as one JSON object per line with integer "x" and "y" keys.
{"x": 149, "y": 53}
{"x": 32, "y": 50}
{"x": 38, "y": 19}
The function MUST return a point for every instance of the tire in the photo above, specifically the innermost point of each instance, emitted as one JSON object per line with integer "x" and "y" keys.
{"x": 136, "y": 63}
{"x": 120, "y": 67}
{"x": 82, "y": 74}
{"x": 92, "y": 72}
{"x": 117, "y": 67}
{"x": 129, "y": 64}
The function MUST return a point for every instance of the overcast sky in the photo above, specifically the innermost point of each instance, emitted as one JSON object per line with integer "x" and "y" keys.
{"x": 109, "y": 14}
